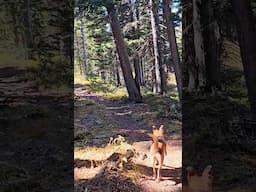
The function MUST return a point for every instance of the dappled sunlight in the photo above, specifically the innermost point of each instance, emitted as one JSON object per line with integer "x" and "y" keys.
{"x": 117, "y": 108}
{"x": 171, "y": 178}
{"x": 100, "y": 153}
{"x": 124, "y": 113}
{"x": 94, "y": 163}
{"x": 117, "y": 94}
{"x": 107, "y": 180}
{"x": 86, "y": 173}
{"x": 101, "y": 118}
{"x": 142, "y": 131}
{"x": 172, "y": 174}
{"x": 171, "y": 79}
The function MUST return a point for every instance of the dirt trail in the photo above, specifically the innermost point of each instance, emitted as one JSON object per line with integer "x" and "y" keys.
{"x": 134, "y": 131}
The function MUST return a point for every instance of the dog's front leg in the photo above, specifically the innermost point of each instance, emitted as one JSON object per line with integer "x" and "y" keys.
{"x": 158, "y": 173}
{"x": 160, "y": 164}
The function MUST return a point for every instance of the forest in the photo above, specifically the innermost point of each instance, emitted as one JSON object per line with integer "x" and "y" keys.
{"x": 36, "y": 86}
{"x": 136, "y": 52}
{"x": 84, "y": 82}
{"x": 218, "y": 100}
{"x": 206, "y": 48}
{"x": 35, "y": 38}
{"x": 127, "y": 75}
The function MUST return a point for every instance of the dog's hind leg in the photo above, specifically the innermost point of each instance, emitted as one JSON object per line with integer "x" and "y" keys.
{"x": 160, "y": 163}
{"x": 154, "y": 167}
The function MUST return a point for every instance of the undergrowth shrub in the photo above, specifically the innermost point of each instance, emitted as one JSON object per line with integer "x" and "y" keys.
{"x": 54, "y": 70}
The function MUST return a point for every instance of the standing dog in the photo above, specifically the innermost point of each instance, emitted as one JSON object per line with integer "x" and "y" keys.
{"x": 157, "y": 150}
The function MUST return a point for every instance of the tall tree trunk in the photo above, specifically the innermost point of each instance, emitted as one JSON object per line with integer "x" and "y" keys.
{"x": 132, "y": 89}
{"x": 77, "y": 53}
{"x": 137, "y": 15}
{"x": 212, "y": 48}
{"x": 28, "y": 27}
{"x": 213, "y": 58}
{"x": 188, "y": 64}
{"x": 14, "y": 22}
{"x": 199, "y": 45}
{"x": 70, "y": 47}
{"x": 173, "y": 45}
{"x": 142, "y": 80}
{"x": 136, "y": 59}
{"x": 159, "y": 85}
{"x": 83, "y": 45}
{"x": 137, "y": 70}
{"x": 247, "y": 41}
{"x": 118, "y": 81}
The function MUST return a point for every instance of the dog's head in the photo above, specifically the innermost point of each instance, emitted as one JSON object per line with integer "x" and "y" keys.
{"x": 200, "y": 183}
{"x": 158, "y": 132}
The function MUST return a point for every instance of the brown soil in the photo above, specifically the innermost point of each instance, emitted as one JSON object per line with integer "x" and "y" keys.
{"x": 122, "y": 117}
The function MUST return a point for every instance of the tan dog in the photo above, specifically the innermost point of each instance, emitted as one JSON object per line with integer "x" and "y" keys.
{"x": 157, "y": 150}
{"x": 198, "y": 183}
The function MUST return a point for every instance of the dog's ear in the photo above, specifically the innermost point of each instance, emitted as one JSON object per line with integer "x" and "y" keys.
{"x": 161, "y": 129}
{"x": 207, "y": 171}
{"x": 154, "y": 129}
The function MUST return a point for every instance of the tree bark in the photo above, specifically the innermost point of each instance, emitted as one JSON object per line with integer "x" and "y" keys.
{"x": 136, "y": 60}
{"x": 247, "y": 41}
{"x": 212, "y": 48}
{"x": 118, "y": 81}
{"x": 199, "y": 45}
{"x": 188, "y": 53}
{"x": 132, "y": 89}
{"x": 28, "y": 27}
{"x": 142, "y": 80}
{"x": 213, "y": 55}
{"x": 13, "y": 11}
{"x": 159, "y": 84}
{"x": 173, "y": 45}
{"x": 83, "y": 45}
{"x": 137, "y": 70}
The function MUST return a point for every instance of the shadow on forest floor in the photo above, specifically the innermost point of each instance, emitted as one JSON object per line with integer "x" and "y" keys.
{"x": 102, "y": 116}
{"x": 116, "y": 180}
{"x": 32, "y": 125}
{"x": 107, "y": 182}
{"x": 212, "y": 134}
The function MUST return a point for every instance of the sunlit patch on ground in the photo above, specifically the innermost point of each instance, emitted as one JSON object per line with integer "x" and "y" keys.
{"x": 101, "y": 117}
{"x": 141, "y": 171}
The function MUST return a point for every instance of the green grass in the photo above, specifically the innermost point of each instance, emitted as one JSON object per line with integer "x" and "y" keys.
{"x": 161, "y": 107}
{"x": 119, "y": 94}
{"x": 111, "y": 92}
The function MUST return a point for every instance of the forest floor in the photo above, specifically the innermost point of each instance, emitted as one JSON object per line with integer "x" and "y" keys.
{"x": 99, "y": 117}
{"x": 33, "y": 123}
